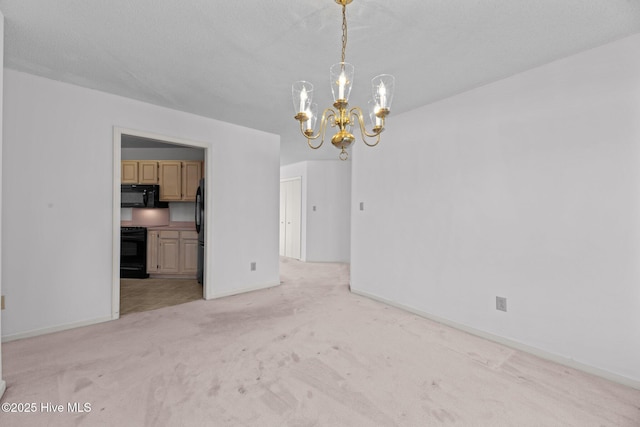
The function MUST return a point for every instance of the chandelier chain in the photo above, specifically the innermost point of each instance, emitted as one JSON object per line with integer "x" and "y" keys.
{"x": 344, "y": 30}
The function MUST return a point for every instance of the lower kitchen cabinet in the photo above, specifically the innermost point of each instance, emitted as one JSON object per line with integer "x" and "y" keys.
{"x": 189, "y": 252}
{"x": 172, "y": 252}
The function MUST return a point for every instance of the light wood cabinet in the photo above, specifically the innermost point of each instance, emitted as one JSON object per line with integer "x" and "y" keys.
{"x": 189, "y": 252}
{"x": 172, "y": 253}
{"x": 152, "y": 251}
{"x": 179, "y": 180}
{"x": 147, "y": 172}
{"x": 129, "y": 172}
{"x": 191, "y": 174}
{"x": 170, "y": 180}
{"x": 169, "y": 252}
{"x": 139, "y": 172}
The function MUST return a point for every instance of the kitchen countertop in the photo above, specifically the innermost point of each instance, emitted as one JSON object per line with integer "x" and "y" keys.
{"x": 176, "y": 225}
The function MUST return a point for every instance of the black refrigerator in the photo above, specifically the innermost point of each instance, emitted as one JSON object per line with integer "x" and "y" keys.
{"x": 200, "y": 229}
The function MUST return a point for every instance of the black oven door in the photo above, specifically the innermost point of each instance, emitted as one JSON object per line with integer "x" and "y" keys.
{"x": 133, "y": 252}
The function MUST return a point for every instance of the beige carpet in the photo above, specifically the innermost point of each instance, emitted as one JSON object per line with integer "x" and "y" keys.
{"x": 307, "y": 353}
{"x": 138, "y": 295}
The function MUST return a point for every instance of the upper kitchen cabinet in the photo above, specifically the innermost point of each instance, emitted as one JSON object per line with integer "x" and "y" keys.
{"x": 170, "y": 174}
{"x": 179, "y": 180}
{"x": 191, "y": 175}
{"x": 147, "y": 172}
{"x": 139, "y": 172}
{"x": 129, "y": 172}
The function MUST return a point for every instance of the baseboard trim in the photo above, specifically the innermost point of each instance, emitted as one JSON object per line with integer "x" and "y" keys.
{"x": 543, "y": 354}
{"x": 57, "y": 328}
{"x": 244, "y": 290}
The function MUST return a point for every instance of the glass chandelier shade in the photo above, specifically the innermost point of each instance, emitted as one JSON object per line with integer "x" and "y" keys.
{"x": 312, "y": 113}
{"x": 302, "y": 94}
{"x": 341, "y": 79}
{"x": 383, "y": 86}
{"x": 374, "y": 108}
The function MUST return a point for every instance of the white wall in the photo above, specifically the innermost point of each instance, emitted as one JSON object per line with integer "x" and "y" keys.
{"x": 528, "y": 188}
{"x": 326, "y": 184}
{"x": 57, "y": 200}
{"x": 329, "y": 226}
{"x": 294, "y": 148}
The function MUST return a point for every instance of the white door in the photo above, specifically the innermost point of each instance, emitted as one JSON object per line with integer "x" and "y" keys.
{"x": 290, "y": 217}
{"x": 283, "y": 215}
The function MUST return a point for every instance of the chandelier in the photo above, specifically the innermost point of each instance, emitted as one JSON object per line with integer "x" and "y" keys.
{"x": 341, "y": 80}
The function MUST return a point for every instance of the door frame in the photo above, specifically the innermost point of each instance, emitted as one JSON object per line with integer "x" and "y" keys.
{"x": 208, "y": 245}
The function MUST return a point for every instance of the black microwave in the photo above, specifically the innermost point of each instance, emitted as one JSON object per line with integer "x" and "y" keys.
{"x": 141, "y": 196}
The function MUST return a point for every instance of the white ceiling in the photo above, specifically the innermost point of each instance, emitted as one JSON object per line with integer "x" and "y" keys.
{"x": 235, "y": 60}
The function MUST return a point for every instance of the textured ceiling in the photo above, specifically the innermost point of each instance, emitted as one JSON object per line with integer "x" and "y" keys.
{"x": 235, "y": 60}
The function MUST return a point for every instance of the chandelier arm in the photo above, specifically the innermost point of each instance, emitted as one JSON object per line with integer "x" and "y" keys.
{"x": 327, "y": 115}
{"x": 374, "y": 144}
{"x": 356, "y": 113}
{"x": 308, "y": 138}
{"x": 315, "y": 147}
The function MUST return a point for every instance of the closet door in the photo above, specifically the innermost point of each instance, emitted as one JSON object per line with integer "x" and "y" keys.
{"x": 290, "y": 217}
{"x": 294, "y": 208}
{"x": 283, "y": 216}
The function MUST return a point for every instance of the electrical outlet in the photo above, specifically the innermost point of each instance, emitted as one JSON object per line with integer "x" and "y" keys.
{"x": 253, "y": 266}
{"x": 2, "y": 302}
{"x": 361, "y": 206}
{"x": 501, "y": 303}
{"x": 314, "y": 208}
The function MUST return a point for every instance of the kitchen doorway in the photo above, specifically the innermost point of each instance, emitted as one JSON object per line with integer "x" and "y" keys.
{"x": 172, "y": 225}
{"x": 137, "y": 295}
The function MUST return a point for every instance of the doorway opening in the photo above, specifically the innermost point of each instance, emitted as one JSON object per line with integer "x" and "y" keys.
{"x": 172, "y": 245}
